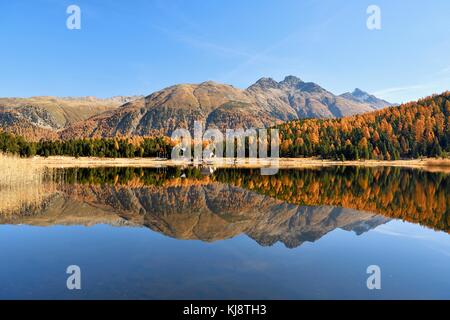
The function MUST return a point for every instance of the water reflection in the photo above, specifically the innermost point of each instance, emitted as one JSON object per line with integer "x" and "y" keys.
{"x": 291, "y": 207}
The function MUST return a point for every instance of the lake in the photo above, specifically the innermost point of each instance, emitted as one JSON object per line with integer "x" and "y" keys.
{"x": 204, "y": 233}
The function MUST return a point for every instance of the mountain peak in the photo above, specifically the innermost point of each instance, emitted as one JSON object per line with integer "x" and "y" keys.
{"x": 359, "y": 93}
{"x": 266, "y": 83}
{"x": 364, "y": 97}
{"x": 291, "y": 81}
{"x": 209, "y": 83}
{"x": 310, "y": 87}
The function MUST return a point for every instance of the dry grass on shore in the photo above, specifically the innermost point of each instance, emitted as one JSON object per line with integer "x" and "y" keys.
{"x": 16, "y": 170}
{"x": 25, "y": 165}
{"x": 21, "y": 184}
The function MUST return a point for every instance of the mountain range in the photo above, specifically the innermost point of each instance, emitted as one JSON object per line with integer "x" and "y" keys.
{"x": 265, "y": 103}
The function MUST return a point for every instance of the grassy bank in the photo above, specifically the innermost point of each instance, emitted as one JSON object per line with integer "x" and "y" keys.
{"x": 431, "y": 164}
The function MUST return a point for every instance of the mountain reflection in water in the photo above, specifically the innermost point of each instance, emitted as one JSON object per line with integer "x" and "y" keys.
{"x": 291, "y": 207}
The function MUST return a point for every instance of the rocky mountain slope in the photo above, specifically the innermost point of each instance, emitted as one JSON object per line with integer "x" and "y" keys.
{"x": 43, "y": 116}
{"x": 265, "y": 103}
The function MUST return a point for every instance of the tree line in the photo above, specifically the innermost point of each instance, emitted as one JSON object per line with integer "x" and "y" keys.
{"x": 109, "y": 147}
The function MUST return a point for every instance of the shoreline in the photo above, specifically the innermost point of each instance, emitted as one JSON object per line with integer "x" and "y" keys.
{"x": 431, "y": 164}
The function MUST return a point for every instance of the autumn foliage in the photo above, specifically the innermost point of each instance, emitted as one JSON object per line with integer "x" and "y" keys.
{"x": 412, "y": 130}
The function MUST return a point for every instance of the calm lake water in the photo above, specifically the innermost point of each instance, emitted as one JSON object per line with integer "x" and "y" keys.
{"x": 188, "y": 233}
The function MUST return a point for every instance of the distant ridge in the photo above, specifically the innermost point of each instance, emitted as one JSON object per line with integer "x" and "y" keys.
{"x": 41, "y": 117}
{"x": 364, "y": 97}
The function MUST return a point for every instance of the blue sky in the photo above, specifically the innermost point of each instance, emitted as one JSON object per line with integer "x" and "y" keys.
{"x": 137, "y": 47}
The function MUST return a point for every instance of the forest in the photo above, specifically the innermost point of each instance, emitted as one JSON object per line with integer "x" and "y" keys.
{"x": 412, "y": 130}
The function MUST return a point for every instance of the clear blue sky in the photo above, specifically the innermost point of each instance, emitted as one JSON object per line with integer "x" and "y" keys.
{"x": 137, "y": 47}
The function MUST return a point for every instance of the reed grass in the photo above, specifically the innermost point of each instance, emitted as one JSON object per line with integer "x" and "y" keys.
{"x": 22, "y": 184}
